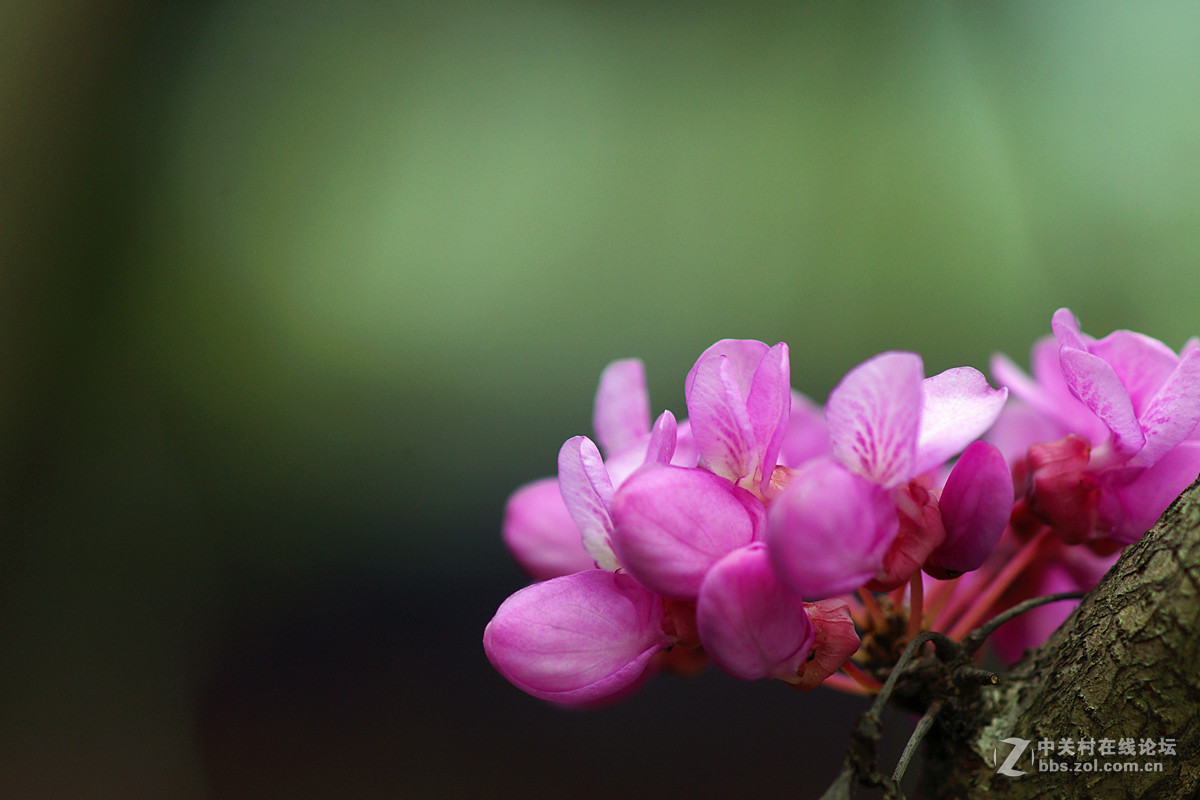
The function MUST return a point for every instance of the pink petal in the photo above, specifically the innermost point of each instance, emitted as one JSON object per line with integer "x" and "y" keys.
{"x": 1046, "y": 368}
{"x": 958, "y": 407}
{"x": 1066, "y": 330}
{"x": 1019, "y": 426}
{"x": 721, "y": 425}
{"x": 1143, "y": 364}
{"x": 744, "y": 356}
{"x": 749, "y": 624}
{"x": 671, "y": 524}
{"x": 623, "y": 464}
{"x": 807, "y": 435}
{"x": 874, "y": 416}
{"x": 827, "y": 532}
{"x": 1097, "y": 386}
{"x": 975, "y": 504}
{"x": 540, "y": 534}
{"x": 587, "y": 492}
{"x": 769, "y": 404}
{"x": 686, "y": 453}
{"x": 621, "y": 415}
{"x": 1174, "y": 412}
{"x": 1008, "y": 374}
{"x": 835, "y": 641}
{"x": 1049, "y": 396}
{"x": 662, "y": 440}
{"x": 1143, "y": 500}
{"x": 578, "y": 638}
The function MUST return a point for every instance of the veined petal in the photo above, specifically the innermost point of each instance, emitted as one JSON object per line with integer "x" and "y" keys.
{"x": 1142, "y": 363}
{"x": 578, "y": 638}
{"x": 958, "y": 406}
{"x": 671, "y": 524}
{"x": 827, "y": 532}
{"x": 874, "y": 416}
{"x": 743, "y": 355}
{"x": 587, "y": 492}
{"x": 662, "y": 440}
{"x": 1047, "y": 394}
{"x": 835, "y": 641}
{"x": 975, "y": 505}
{"x": 1173, "y": 414}
{"x": 721, "y": 425}
{"x": 750, "y": 625}
{"x": 1097, "y": 386}
{"x": 621, "y": 413}
{"x": 1067, "y": 331}
{"x": 769, "y": 404}
{"x": 540, "y": 534}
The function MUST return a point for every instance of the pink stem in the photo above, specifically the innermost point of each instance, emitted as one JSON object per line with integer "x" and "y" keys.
{"x": 862, "y": 678}
{"x": 975, "y": 613}
{"x": 844, "y": 683}
{"x": 874, "y": 612}
{"x": 937, "y": 598}
{"x": 856, "y": 611}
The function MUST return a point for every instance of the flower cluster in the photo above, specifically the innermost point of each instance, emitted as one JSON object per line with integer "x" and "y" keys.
{"x": 782, "y": 540}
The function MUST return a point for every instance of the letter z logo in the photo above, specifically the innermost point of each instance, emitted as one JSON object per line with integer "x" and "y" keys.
{"x": 1018, "y": 747}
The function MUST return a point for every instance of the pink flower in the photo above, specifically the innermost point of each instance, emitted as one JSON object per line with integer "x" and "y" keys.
{"x": 856, "y": 517}
{"x": 539, "y": 530}
{"x": 739, "y": 398}
{"x": 1114, "y": 423}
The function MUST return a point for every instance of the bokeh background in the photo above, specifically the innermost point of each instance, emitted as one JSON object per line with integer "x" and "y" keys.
{"x": 295, "y": 293}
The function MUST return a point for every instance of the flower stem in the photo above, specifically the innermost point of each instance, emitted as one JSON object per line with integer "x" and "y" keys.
{"x": 844, "y": 683}
{"x": 874, "y": 613}
{"x": 856, "y": 611}
{"x": 1004, "y": 578}
{"x": 939, "y": 595}
{"x": 862, "y": 678}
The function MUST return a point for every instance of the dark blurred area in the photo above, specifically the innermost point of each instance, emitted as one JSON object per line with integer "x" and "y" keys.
{"x": 295, "y": 294}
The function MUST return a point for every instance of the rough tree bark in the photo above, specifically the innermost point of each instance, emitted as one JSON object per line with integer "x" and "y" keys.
{"x": 1125, "y": 665}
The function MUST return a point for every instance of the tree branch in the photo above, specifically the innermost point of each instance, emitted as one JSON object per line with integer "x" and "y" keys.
{"x": 1125, "y": 665}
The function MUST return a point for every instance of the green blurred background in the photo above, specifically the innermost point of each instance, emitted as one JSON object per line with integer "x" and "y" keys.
{"x": 294, "y": 294}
